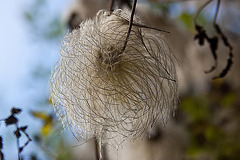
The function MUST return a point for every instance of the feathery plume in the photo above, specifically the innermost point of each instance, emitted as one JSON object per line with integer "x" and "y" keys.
{"x": 99, "y": 90}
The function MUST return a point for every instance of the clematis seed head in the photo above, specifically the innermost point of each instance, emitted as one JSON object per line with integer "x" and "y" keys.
{"x": 99, "y": 90}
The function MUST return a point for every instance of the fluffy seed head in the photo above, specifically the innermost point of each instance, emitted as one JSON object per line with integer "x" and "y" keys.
{"x": 99, "y": 90}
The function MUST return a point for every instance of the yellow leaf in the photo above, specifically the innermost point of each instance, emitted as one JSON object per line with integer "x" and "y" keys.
{"x": 47, "y": 122}
{"x": 42, "y": 116}
{"x": 46, "y": 129}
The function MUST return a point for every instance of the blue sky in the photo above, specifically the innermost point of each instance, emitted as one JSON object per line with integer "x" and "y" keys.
{"x": 21, "y": 55}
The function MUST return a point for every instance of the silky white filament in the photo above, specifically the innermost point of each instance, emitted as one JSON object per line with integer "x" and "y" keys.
{"x": 100, "y": 90}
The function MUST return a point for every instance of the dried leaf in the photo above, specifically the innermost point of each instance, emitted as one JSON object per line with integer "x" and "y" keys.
{"x": 11, "y": 120}
{"x": 23, "y": 128}
{"x": 213, "y": 42}
{"x": 201, "y": 35}
{"x": 230, "y": 58}
{"x": 224, "y": 38}
{"x": 228, "y": 67}
{"x": 17, "y": 133}
{"x": 15, "y": 110}
{"x": 20, "y": 149}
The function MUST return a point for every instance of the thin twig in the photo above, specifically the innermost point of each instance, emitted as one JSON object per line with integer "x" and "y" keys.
{"x": 217, "y": 10}
{"x": 97, "y": 151}
{"x": 148, "y": 27}
{"x": 18, "y": 144}
{"x": 110, "y": 6}
{"x": 130, "y": 25}
{"x": 200, "y": 9}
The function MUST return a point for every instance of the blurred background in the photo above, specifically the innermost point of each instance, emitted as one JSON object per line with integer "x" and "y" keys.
{"x": 206, "y": 125}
